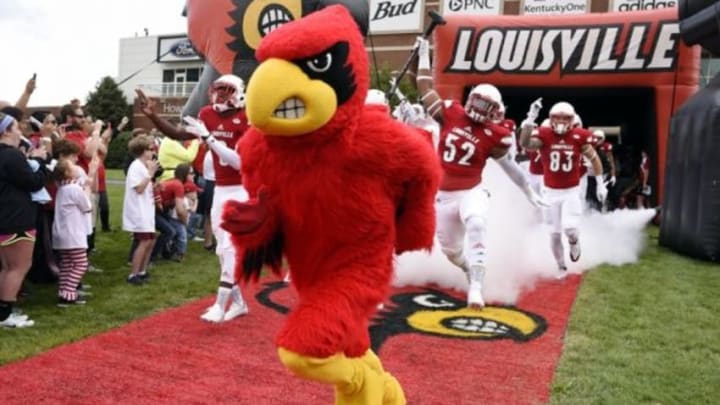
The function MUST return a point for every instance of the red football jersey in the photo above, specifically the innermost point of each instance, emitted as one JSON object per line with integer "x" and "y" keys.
{"x": 508, "y": 123}
{"x": 605, "y": 147}
{"x": 465, "y": 146}
{"x": 227, "y": 129}
{"x": 561, "y": 156}
{"x": 536, "y": 166}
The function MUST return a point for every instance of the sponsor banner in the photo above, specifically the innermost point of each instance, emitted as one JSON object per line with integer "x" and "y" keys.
{"x": 475, "y": 7}
{"x": 176, "y": 49}
{"x": 639, "y": 5}
{"x": 550, "y": 7}
{"x": 393, "y": 16}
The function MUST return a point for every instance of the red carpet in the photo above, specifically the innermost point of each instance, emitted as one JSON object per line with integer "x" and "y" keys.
{"x": 426, "y": 339}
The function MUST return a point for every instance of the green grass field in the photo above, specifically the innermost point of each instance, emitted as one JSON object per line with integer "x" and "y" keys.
{"x": 646, "y": 333}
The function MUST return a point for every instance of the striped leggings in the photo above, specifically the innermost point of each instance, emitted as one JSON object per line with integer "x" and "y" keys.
{"x": 73, "y": 265}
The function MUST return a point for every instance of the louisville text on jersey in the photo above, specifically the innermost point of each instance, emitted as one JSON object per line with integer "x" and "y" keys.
{"x": 586, "y": 49}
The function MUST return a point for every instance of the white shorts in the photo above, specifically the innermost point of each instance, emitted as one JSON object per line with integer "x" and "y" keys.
{"x": 453, "y": 209}
{"x": 565, "y": 208}
{"x": 222, "y": 195}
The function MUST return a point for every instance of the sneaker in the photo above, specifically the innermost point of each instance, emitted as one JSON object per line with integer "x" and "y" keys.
{"x": 575, "y": 251}
{"x": 144, "y": 276}
{"x": 474, "y": 297}
{"x": 84, "y": 294}
{"x": 135, "y": 279}
{"x": 198, "y": 239}
{"x": 235, "y": 310}
{"x": 214, "y": 314}
{"x": 17, "y": 321}
{"x": 63, "y": 303}
{"x": 84, "y": 286}
{"x": 562, "y": 272}
{"x": 476, "y": 275}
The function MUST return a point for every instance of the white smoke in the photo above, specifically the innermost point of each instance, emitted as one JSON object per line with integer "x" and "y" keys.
{"x": 518, "y": 246}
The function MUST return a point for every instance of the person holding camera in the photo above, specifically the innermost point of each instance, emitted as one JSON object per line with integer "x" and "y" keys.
{"x": 17, "y": 217}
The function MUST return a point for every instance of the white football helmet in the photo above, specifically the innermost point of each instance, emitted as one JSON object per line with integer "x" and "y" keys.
{"x": 377, "y": 97}
{"x": 599, "y": 135}
{"x": 577, "y": 122}
{"x": 482, "y": 102}
{"x": 562, "y": 117}
{"x": 227, "y": 92}
{"x": 499, "y": 115}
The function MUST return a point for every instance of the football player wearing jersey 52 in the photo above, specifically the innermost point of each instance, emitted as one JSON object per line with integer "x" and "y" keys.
{"x": 468, "y": 138}
{"x": 220, "y": 125}
{"x": 560, "y": 146}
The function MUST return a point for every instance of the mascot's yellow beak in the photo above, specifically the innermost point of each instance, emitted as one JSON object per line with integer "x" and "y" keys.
{"x": 282, "y": 100}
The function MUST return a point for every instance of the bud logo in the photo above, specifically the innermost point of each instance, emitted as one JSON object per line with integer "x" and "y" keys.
{"x": 471, "y": 7}
{"x": 386, "y": 9}
{"x": 636, "y": 5}
{"x": 576, "y": 49}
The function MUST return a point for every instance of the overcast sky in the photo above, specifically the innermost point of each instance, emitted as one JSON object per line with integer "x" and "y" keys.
{"x": 72, "y": 44}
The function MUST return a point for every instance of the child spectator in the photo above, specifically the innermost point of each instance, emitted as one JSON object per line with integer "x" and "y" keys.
{"x": 71, "y": 227}
{"x": 139, "y": 206}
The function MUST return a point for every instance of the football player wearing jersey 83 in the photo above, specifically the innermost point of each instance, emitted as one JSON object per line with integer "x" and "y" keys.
{"x": 468, "y": 138}
{"x": 560, "y": 146}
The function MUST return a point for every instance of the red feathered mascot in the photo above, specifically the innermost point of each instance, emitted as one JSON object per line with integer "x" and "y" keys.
{"x": 335, "y": 188}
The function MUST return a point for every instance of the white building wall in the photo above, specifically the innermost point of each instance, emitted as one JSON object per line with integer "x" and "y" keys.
{"x": 140, "y": 53}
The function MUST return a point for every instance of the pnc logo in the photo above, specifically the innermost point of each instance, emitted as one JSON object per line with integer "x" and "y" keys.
{"x": 464, "y": 5}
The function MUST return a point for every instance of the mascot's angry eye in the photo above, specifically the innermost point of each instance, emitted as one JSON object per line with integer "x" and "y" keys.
{"x": 331, "y": 66}
{"x": 320, "y": 64}
{"x": 432, "y": 301}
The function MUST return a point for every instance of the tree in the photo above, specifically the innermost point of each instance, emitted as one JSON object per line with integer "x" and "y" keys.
{"x": 108, "y": 102}
{"x": 380, "y": 79}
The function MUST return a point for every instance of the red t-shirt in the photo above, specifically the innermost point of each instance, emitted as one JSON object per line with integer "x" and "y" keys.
{"x": 227, "y": 129}
{"x": 80, "y": 138}
{"x": 170, "y": 190}
{"x": 465, "y": 146}
{"x": 561, "y": 156}
{"x": 197, "y": 163}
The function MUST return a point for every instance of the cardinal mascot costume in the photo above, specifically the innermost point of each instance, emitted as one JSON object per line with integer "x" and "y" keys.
{"x": 336, "y": 189}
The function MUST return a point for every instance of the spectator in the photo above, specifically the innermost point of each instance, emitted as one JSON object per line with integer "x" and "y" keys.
{"x": 71, "y": 227}
{"x": 175, "y": 208}
{"x": 17, "y": 217}
{"x": 139, "y": 206}
{"x": 173, "y": 153}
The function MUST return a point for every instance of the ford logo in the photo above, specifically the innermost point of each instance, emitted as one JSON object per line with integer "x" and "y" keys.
{"x": 183, "y": 49}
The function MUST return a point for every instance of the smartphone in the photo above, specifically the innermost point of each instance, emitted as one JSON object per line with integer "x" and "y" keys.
{"x": 34, "y": 76}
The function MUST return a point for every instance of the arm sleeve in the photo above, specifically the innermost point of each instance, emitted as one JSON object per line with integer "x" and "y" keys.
{"x": 511, "y": 168}
{"x": 226, "y": 154}
{"x": 137, "y": 173}
{"x": 81, "y": 199}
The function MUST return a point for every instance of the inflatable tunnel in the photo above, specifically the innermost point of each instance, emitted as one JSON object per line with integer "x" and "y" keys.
{"x": 626, "y": 70}
{"x": 691, "y": 208}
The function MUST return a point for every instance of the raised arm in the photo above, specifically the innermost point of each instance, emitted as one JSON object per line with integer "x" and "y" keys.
{"x": 528, "y": 125}
{"x": 429, "y": 97}
{"x": 147, "y": 106}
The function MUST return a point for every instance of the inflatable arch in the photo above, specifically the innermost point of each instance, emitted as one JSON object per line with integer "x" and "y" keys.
{"x": 619, "y": 69}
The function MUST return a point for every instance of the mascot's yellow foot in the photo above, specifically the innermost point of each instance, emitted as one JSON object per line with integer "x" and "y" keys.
{"x": 357, "y": 381}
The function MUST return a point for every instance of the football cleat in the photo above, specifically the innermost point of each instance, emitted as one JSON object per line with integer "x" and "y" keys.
{"x": 214, "y": 314}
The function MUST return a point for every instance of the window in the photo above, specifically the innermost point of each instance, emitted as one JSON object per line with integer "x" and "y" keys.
{"x": 168, "y": 76}
{"x": 709, "y": 68}
{"x": 180, "y": 82}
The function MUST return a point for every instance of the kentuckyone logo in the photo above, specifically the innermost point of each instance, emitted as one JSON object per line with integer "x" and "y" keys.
{"x": 577, "y": 49}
